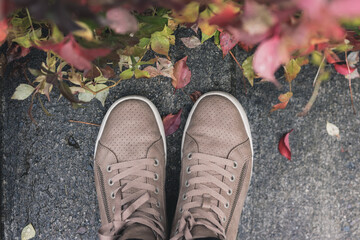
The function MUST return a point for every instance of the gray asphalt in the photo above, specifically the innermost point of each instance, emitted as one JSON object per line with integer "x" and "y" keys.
{"x": 48, "y": 182}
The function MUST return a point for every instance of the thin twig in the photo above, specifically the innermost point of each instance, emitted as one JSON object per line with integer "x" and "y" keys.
{"x": 349, "y": 77}
{"x": 93, "y": 124}
{"x": 241, "y": 68}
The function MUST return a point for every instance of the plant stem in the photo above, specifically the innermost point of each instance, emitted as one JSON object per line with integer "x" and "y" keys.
{"x": 351, "y": 95}
{"x": 93, "y": 124}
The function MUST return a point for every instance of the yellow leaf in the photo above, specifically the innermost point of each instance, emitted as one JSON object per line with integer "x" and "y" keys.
{"x": 188, "y": 14}
{"x": 204, "y": 25}
{"x": 85, "y": 32}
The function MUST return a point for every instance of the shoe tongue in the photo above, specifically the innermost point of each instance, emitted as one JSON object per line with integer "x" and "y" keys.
{"x": 138, "y": 231}
{"x": 200, "y": 231}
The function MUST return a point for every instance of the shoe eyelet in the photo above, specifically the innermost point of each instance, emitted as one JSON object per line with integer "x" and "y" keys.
{"x": 226, "y": 205}
{"x": 229, "y": 192}
{"x": 112, "y": 195}
{"x": 188, "y": 171}
{"x": 224, "y": 219}
{"x": 158, "y": 204}
{"x": 181, "y": 210}
{"x": 113, "y": 209}
{"x": 187, "y": 184}
{"x": 108, "y": 168}
{"x": 189, "y": 156}
{"x": 235, "y": 164}
{"x": 184, "y": 197}
{"x": 156, "y": 176}
{"x": 111, "y": 182}
{"x": 232, "y": 178}
{"x": 156, "y": 191}
{"x": 156, "y": 162}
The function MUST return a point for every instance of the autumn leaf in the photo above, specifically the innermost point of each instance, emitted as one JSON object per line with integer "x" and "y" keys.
{"x": 195, "y": 96}
{"x": 343, "y": 69}
{"x": 160, "y": 41}
{"x": 191, "y": 42}
{"x": 73, "y": 53}
{"x": 204, "y": 25}
{"x": 172, "y": 122}
{"x": 182, "y": 74}
{"x": 292, "y": 69}
{"x": 284, "y": 146}
{"x": 332, "y": 129}
{"x": 3, "y": 30}
{"x": 163, "y": 67}
{"x": 248, "y": 69}
{"x": 225, "y": 17}
{"x": 121, "y": 20}
{"x": 227, "y": 42}
{"x": 284, "y": 100}
{"x": 188, "y": 14}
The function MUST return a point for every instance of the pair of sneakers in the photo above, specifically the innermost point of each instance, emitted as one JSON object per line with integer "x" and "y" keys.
{"x": 130, "y": 161}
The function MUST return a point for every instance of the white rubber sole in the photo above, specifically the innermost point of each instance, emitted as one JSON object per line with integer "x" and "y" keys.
{"x": 237, "y": 105}
{"x": 134, "y": 97}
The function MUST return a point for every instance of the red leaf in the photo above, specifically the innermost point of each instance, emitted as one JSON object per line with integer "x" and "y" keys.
{"x": 268, "y": 57}
{"x": 74, "y": 54}
{"x": 3, "y": 30}
{"x": 121, "y": 20}
{"x": 195, "y": 96}
{"x": 343, "y": 69}
{"x": 331, "y": 57}
{"x": 225, "y": 17}
{"x": 227, "y": 42}
{"x": 278, "y": 106}
{"x": 246, "y": 47}
{"x": 284, "y": 146}
{"x": 182, "y": 74}
{"x": 172, "y": 122}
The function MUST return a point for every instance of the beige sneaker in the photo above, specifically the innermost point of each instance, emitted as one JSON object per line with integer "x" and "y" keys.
{"x": 130, "y": 159}
{"x": 216, "y": 169}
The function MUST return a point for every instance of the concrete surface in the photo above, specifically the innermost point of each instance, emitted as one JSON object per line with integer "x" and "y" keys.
{"x": 49, "y": 183}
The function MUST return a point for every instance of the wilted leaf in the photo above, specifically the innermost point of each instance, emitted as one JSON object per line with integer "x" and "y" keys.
{"x": 332, "y": 129}
{"x": 227, "y": 42}
{"x": 284, "y": 146}
{"x": 343, "y": 69}
{"x": 22, "y": 92}
{"x": 353, "y": 58}
{"x": 172, "y": 122}
{"x": 191, "y": 42}
{"x": 182, "y": 74}
{"x": 195, "y": 96}
{"x": 248, "y": 69}
{"x": 28, "y": 232}
{"x": 121, "y": 20}
{"x": 292, "y": 69}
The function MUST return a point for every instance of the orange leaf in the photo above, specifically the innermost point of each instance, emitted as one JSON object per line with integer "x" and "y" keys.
{"x": 284, "y": 146}
{"x": 278, "y": 106}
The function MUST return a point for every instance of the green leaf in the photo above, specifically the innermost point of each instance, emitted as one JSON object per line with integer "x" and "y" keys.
{"x": 324, "y": 76}
{"x": 127, "y": 74}
{"x": 248, "y": 69}
{"x": 141, "y": 73}
{"x": 217, "y": 38}
{"x": 316, "y": 58}
{"x": 292, "y": 69}
{"x": 144, "y": 42}
{"x": 28, "y": 232}
{"x": 160, "y": 44}
{"x": 34, "y": 72}
{"x": 22, "y": 92}
{"x": 56, "y": 34}
{"x": 343, "y": 47}
{"x": 101, "y": 96}
{"x": 205, "y": 37}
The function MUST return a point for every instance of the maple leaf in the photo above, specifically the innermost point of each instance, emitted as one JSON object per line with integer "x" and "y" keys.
{"x": 73, "y": 53}
{"x": 172, "y": 122}
{"x": 182, "y": 74}
{"x": 121, "y": 20}
{"x": 227, "y": 42}
{"x": 284, "y": 146}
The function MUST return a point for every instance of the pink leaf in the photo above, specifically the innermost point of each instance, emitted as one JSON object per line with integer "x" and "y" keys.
{"x": 121, "y": 20}
{"x": 73, "y": 53}
{"x": 227, "y": 42}
{"x": 343, "y": 69}
{"x": 345, "y": 8}
{"x": 172, "y": 122}
{"x": 182, "y": 74}
{"x": 191, "y": 42}
{"x": 284, "y": 146}
{"x": 268, "y": 57}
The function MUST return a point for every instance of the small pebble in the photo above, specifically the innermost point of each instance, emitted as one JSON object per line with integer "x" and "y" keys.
{"x": 81, "y": 230}
{"x": 72, "y": 142}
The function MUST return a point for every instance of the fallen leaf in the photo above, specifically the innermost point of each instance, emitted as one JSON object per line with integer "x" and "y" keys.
{"x": 203, "y": 22}
{"x": 172, "y": 122}
{"x": 121, "y": 20}
{"x": 284, "y": 146}
{"x": 28, "y": 232}
{"x": 353, "y": 58}
{"x": 188, "y": 14}
{"x": 343, "y": 69}
{"x": 141, "y": 73}
{"x": 182, "y": 74}
{"x": 285, "y": 97}
{"x": 195, "y": 96}
{"x": 3, "y": 30}
{"x": 225, "y": 17}
{"x": 248, "y": 69}
{"x": 292, "y": 69}
{"x": 191, "y": 42}
{"x": 73, "y": 53}
{"x": 227, "y": 42}
{"x": 278, "y": 106}
{"x": 23, "y": 91}
{"x": 332, "y": 129}
{"x": 160, "y": 41}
